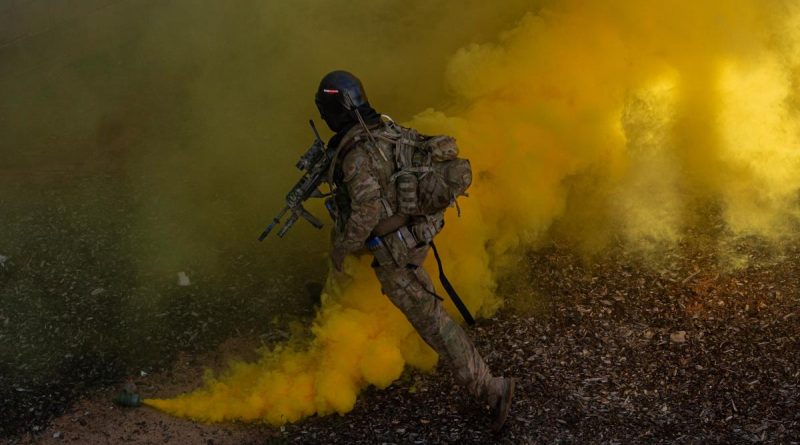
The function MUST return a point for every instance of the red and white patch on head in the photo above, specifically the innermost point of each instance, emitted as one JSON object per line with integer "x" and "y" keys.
{"x": 328, "y": 91}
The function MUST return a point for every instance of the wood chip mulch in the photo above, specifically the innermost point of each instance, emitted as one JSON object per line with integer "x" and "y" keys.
{"x": 687, "y": 351}
{"x": 613, "y": 349}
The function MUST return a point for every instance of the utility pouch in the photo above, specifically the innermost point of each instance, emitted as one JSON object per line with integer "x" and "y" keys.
{"x": 406, "y": 237}
{"x": 425, "y": 231}
{"x": 399, "y": 243}
{"x": 380, "y": 251}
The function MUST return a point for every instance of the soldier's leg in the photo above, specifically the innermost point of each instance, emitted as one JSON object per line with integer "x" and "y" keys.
{"x": 411, "y": 290}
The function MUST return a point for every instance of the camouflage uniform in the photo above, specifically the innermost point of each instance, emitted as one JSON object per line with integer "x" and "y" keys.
{"x": 362, "y": 175}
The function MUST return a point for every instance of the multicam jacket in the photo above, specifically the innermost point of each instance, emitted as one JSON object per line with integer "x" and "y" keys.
{"x": 368, "y": 192}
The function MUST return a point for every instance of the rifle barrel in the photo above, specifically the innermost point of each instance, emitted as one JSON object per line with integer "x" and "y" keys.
{"x": 275, "y": 221}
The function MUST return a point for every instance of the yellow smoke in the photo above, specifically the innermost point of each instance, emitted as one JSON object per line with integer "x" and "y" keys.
{"x": 360, "y": 339}
{"x": 589, "y": 121}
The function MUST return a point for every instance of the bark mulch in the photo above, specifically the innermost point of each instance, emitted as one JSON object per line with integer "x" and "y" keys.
{"x": 614, "y": 349}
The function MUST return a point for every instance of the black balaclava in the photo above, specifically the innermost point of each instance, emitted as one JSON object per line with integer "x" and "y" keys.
{"x": 339, "y": 95}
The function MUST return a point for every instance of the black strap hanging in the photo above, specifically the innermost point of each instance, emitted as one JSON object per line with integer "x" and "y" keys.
{"x": 450, "y": 291}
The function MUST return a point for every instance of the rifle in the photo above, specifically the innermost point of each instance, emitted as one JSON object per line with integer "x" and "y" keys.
{"x": 315, "y": 162}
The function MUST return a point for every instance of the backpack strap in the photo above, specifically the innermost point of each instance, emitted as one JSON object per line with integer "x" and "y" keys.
{"x": 350, "y": 138}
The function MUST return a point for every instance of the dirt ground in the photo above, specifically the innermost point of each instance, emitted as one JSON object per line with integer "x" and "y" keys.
{"x": 96, "y": 419}
{"x": 685, "y": 351}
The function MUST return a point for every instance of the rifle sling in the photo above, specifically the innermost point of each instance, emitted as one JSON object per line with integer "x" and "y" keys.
{"x": 462, "y": 308}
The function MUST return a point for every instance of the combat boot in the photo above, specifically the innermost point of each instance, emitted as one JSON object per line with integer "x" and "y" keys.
{"x": 500, "y": 400}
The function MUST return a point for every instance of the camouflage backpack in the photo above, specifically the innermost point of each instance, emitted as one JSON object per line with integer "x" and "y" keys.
{"x": 428, "y": 174}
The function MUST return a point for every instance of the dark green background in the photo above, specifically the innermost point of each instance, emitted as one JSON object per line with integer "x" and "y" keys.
{"x": 142, "y": 138}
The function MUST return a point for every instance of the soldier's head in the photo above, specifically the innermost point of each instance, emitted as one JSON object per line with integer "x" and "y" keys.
{"x": 339, "y": 95}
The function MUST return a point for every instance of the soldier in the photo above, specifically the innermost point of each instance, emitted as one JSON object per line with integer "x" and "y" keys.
{"x": 376, "y": 206}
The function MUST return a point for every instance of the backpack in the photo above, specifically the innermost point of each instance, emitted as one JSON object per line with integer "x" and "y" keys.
{"x": 428, "y": 174}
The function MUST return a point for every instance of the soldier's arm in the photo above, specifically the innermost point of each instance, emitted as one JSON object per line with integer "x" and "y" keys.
{"x": 365, "y": 192}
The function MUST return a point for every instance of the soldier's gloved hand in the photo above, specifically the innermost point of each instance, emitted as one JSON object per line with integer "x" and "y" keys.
{"x": 337, "y": 257}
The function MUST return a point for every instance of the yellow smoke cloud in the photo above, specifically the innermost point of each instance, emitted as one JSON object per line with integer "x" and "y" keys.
{"x": 589, "y": 121}
{"x": 359, "y": 339}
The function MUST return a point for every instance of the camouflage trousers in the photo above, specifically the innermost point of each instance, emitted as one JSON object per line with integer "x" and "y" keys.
{"x": 411, "y": 290}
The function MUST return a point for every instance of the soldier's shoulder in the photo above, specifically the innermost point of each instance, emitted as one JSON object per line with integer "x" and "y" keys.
{"x": 356, "y": 160}
{"x": 357, "y": 152}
